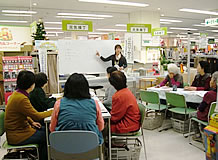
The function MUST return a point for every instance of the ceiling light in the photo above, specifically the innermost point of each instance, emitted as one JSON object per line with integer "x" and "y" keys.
{"x": 169, "y": 32}
{"x": 71, "y": 17}
{"x": 34, "y": 4}
{"x": 50, "y": 35}
{"x": 11, "y": 21}
{"x": 212, "y": 30}
{"x": 54, "y": 32}
{"x": 214, "y": 26}
{"x": 186, "y": 29}
{"x": 53, "y": 28}
{"x": 121, "y": 25}
{"x": 162, "y": 15}
{"x": 85, "y": 15}
{"x": 199, "y": 25}
{"x": 198, "y": 34}
{"x": 97, "y": 33}
{"x": 165, "y": 23}
{"x": 158, "y": 8}
{"x": 198, "y": 11}
{"x": 18, "y": 15}
{"x": 112, "y": 30}
{"x": 117, "y": 3}
{"x": 210, "y": 37}
{"x": 203, "y": 23}
{"x": 169, "y": 20}
{"x": 15, "y": 11}
{"x": 53, "y": 22}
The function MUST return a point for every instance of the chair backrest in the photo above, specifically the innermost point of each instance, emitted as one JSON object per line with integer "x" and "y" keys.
{"x": 74, "y": 144}
{"x": 149, "y": 96}
{"x": 142, "y": 112}
{"x": 2, "y": 128}
{"x": 175, "y": 100}
{"x": 212, "y": 110}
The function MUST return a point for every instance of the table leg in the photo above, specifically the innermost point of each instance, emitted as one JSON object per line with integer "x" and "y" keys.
{"x": 47, "y": 141}
{"x": 109, "y": 138}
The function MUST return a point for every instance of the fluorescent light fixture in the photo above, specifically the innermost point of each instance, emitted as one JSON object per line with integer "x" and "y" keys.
{"x": 169, "y": 32}
{"x": 170, "y": 20}
{"x": 185, "y": 29}
{"x": 53, "y": 28}
{"x": 162, "y": 15}
{"x": 203, "y": 23}
{"x": 95, "y": 33}
{"x": 212, "y": 30}
{"x": 198, "y": 34}
{"x": 214, "y": 26}
{"x": 20, "y": 12}
{"x": 50, "y": 35}
{"x": 35, "y": 4}
{"x": 54, "y": 32}
{"x": 121, "y": 25}
{"x": 72, "y": 17}
{"x": 112, "y": 30}
{"x": 183, "y": 33}
{"x": 84, "y": 15}
{"x": 116, "y": 3}
{"x": 198, "y": 11}
{"x": 53, "y": 22}
{"x": 199, "y": 25}
{"x": 210, "y": 37}
{"x": 11, "y": 21}
{"x": 18, "y": 15}
{"x": 165, "y": 23}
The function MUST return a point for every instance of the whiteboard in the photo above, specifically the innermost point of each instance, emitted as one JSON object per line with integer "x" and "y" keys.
{"x": 80, "y": 55}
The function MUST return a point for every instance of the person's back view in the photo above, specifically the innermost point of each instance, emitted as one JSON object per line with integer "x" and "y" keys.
{"x": 125, "y": 114}
{"x": 77, "y": 110}
{"x": 109, "y": 91}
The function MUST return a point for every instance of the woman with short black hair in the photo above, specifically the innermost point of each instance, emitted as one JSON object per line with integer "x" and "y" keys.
{"x": 77, "y": 110}
{"x": 21, "y": 119}
{"x": 118, "y": 60}
{"x": 37, "y": 97}
{"x": 125, "y": 115}
{"x": 202, "y": 79}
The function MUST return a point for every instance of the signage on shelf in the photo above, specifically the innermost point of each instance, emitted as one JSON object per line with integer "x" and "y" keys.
{"x": 69, "y": 25}
{"x": 211, "y": 21}
{"x": 159, "y": 31}
{"x": 11, "y": 37}
{"x": 139, "y": 28}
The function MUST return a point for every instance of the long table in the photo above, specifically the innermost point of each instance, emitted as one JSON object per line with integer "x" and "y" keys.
{"x": 190, "y": 96}
{"x": 105, "y": 114}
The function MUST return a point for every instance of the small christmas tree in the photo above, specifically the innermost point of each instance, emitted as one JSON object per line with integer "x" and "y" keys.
{"x": 40, "y": 31}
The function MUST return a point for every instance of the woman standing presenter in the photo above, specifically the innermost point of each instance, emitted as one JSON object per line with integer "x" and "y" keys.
{"x": 118, "y": 60}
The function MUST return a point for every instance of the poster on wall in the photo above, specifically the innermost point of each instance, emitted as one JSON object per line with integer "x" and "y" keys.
{"x": 128, "y": 47}
{"x": 11, "y": 37}
{"x": 149, "y": 40}
{"x": 49, "y": 45}
{"x": 43, "y": 60}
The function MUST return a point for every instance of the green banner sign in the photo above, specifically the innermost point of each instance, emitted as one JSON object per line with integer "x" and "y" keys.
{"x": 68, "y": 25}
{"x": 211, "y": 21}
{"x": 211, "y": 41}
{"x": 203, "y": 34}
{"x": 33, "y": 27}
{"x": 139, "y": 28}
{"x": 159, "y": 31}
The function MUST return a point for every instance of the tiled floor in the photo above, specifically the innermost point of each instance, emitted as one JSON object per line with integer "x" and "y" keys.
{"x": 165, "y": 145}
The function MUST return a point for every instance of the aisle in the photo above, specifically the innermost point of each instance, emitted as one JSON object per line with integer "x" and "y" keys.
{"x": 169, "y": 145}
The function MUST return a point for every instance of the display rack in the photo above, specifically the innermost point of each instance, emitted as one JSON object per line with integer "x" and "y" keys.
{"x": 11, "y": 67}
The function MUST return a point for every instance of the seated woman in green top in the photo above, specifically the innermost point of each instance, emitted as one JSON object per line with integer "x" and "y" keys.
{"x": 38, "y": 97}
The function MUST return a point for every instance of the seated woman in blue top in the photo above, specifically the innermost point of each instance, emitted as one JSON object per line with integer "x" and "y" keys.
{"x": 77, "y": 110}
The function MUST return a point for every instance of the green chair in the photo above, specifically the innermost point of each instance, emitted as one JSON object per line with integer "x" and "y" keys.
{"x": 178, "y": 104}
{"x": 137, "y": 134}
{"x": 153, "y": 100}
{"x": 5, "y": 145}
{"x": 211, "y": 111}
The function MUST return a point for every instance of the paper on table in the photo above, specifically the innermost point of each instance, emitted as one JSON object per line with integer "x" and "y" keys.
{"x": 57, "y": 95}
